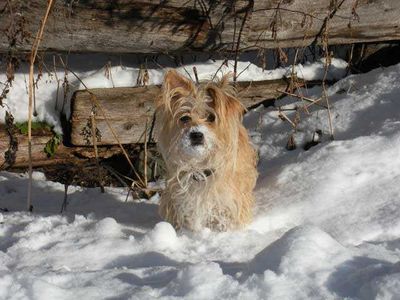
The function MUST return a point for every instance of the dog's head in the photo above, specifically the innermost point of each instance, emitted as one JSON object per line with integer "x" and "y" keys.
{"x": 199, "y": 123}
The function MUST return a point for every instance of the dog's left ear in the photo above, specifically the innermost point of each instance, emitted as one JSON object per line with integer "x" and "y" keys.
{"x": 174, "y": 86}
{"x": 224, "y": 100}
{"x": 174, "y": 80}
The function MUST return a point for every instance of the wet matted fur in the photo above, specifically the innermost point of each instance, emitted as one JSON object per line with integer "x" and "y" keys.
{"x": 211, "y": 166}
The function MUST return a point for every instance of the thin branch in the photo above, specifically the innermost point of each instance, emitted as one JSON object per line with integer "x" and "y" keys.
{"x": 145, "y": 156}
{"x": 225, "y": 62}
{"x": 33, "y": 55}
{"x": 96, "y": 152}
{"x": 312, "y": 101}
{"x": 288, "y": 10}
{"x": 284, "y": 116}
{"x": 248, "y": 8}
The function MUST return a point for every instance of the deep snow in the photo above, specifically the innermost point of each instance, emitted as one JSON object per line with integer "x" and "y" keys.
{"x": 326, "y": 226}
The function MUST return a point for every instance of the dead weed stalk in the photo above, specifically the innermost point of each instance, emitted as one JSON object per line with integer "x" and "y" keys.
{"x": 33, "y": 55}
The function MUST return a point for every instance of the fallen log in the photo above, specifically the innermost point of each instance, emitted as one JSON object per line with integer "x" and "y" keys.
{"x": 153, "y": 26}
{"x": 18, "y": 158}
{"x": 128, "y": 110}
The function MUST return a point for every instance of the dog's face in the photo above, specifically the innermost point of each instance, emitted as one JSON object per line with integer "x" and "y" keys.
{"x": 199, "y": 123}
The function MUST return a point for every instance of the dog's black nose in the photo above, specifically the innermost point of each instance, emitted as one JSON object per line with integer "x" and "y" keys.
{"x": 197, "y": 138}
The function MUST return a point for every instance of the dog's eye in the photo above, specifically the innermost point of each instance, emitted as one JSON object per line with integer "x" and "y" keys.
{"x": 185, "y": 119}
{"x": 211, "y": 118}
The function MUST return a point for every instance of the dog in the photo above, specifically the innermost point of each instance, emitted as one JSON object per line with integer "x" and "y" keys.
{"x": 210, "y": 163}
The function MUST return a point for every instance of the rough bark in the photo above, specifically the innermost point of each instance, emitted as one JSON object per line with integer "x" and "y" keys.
{"x": 154, "y": 26}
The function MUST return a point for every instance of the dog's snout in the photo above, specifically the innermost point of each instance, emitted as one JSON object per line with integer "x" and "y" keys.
{"x": 197, "y": 138}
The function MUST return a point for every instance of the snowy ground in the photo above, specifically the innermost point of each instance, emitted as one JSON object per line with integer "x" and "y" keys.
{"x": 326, "y": 226}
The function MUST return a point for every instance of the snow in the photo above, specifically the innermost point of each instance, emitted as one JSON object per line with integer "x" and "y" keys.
{"x": 163, "y": 235}
{"x": 326, "y": 225}
{"x": 50, "y": 91}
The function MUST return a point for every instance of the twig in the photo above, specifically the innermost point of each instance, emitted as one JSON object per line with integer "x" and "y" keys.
{"x": 153, "y": 124}
{"x": 34, "y": 51}
{"x": 350, "y": 60}
{"x": 326, "y": 66}
{"x": 323, "y": 30}
{"x": 96, "y": 153}
{"x": 96, "y": 102}
{"x": 243, "y": 70}
{"x": 284, "y": 116}
{"x": 288, "y": 10}
{"x": 117, "y": 175}
{"x": 248, "y": 8}
{"x": 312, "y": 101}
{"x": 225, "y": 62}
{"x": 145, "y": 156}
{"x": 195, "y": 74}
{"x": 58, "y": 82}
{"x": 65, "y": 201}
{"x": 325, "y": 96}
{"x": 65, "y": 83}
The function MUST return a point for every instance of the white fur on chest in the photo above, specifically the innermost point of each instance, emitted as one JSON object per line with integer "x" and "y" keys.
{"x": 202, "y": 203}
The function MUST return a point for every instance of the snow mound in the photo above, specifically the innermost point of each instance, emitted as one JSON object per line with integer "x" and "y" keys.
{"x": 193, "y": 282}
{"x": 290, "y": 253}
{"x": 108, "y": 227}
{"x": 164, "y": 236}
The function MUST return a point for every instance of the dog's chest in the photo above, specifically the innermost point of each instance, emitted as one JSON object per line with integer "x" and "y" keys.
{"x": 205, "y": 203}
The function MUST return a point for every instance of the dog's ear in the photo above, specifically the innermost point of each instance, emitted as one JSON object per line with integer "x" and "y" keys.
{"x": 224, "y": 100}
{"x": 174, "y": 86}
{"x": 174, "y": 80}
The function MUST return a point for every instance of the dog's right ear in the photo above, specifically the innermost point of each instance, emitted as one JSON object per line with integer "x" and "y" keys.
{"x": 174, "y": 87}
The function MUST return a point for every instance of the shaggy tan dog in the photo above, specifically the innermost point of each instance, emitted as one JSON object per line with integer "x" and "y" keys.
{"x": 211, "y": 166}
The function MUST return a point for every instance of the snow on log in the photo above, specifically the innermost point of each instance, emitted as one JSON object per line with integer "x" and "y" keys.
{"x": 153, "y": 26}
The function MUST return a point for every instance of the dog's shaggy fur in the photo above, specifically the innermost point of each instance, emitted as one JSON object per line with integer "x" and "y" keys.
{"x": 211, "y": 166}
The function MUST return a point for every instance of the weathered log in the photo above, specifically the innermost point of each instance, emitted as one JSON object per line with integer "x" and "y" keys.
{"x": 129, "y": 109}
{"x": 40, "y": 138}
{"x": 153, "y": 26}
{"x": 298, "y": 23}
